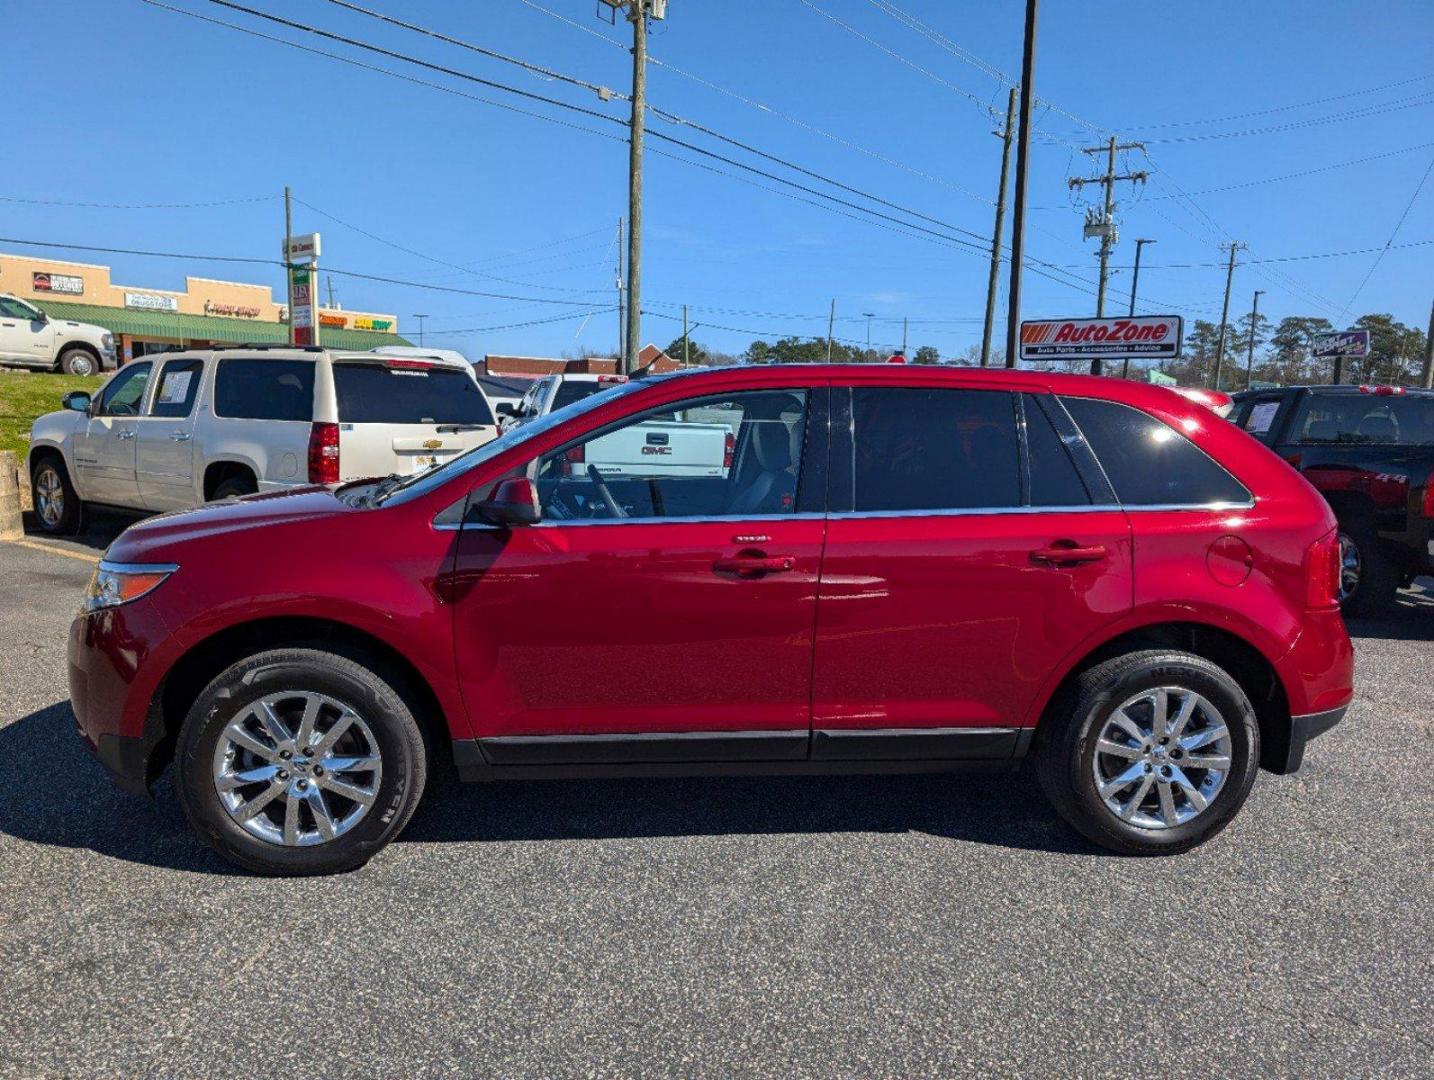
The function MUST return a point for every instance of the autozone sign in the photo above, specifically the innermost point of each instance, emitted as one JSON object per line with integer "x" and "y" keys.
{"x": 1154, "y": 336}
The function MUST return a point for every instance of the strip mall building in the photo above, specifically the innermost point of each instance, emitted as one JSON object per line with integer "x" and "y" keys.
{"x": 204, "y": 313}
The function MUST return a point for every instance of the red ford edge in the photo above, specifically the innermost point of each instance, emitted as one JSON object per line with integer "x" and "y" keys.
{"x": 804, "y": 569}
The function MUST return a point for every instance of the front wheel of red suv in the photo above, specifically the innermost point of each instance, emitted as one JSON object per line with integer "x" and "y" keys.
{"x": 1150, "y": 753}
{"x": 300, "y": 761}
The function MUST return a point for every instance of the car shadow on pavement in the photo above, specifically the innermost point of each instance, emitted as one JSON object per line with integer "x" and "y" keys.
{"x": 1004, "y": 809}
{"x": 98, "y": 527}
{"x": 85, "y": 809}
{"x": 1411, "y": 618}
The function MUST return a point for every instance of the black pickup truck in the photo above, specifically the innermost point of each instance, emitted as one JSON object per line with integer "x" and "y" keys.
{"x": 1370, "y": 451}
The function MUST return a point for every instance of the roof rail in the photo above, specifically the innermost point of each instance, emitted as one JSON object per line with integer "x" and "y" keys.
{"x": 261, "y": 345}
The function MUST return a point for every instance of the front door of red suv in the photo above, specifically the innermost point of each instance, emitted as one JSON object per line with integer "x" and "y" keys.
{"x": 663, "y": 607}
{"x": 966, "y": 556}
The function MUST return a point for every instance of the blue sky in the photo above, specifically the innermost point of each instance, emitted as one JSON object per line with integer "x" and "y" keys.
{"x": 128, "y": 103}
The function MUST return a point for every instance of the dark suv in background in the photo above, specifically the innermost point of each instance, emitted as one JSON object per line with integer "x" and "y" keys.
{"x": 1370, "y": 451}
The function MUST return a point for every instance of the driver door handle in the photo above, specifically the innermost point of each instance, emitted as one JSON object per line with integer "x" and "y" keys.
{"x": 180, "y": 436}
{"x": 1068, "y": 553}
{"x": 125, "y": 433}
{"x": 754, "y": 565}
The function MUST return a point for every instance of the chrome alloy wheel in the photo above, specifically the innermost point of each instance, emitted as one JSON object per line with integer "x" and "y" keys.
{"x": 49, "y": 496}
{"x": 1161, "y": 758}
{"x": 297, "y": 768}
{"x": 1351, "y": 565}
{"x": 82, "y": 365}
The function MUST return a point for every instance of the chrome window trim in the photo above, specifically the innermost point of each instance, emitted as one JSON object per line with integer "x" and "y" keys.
{"x": 137, "y": 568}
{"x": 980, "y": 511}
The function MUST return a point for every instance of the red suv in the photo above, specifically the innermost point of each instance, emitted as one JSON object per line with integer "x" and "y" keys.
{"x": 804, "y": 569}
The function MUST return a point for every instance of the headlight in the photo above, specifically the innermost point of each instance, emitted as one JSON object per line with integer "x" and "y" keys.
{"x": 118, "y": 583}
{"x": 107, "y": 342}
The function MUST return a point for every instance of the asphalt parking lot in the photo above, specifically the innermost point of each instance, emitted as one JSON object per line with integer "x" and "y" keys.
{"x": 765, "y": 927}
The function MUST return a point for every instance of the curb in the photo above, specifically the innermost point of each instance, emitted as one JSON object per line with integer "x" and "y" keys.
{"x": 11, "y": 524}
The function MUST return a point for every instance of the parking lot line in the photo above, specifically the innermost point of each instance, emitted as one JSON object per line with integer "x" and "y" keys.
{"x": 54, "y": 550}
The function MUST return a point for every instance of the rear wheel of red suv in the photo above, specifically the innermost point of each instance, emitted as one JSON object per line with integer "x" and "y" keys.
{"x": 1150, "y": 753}
{"x": 300, "y": 761}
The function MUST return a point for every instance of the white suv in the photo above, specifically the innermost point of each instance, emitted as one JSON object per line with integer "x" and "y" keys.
{"x": 175, "y": 430}
{"x": 30, "y": 338}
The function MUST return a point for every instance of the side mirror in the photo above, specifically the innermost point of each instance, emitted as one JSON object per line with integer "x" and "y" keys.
{"x": 513, "y": 501}
{"x": 78, "y": 400}
{"x": 42, "y": 316}
{"x": 507, "y": 408}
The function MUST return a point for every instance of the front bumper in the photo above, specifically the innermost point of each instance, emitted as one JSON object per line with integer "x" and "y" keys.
{"x": 1303, "y": 729}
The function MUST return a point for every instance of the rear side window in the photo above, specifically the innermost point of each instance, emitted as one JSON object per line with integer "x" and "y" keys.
{"x": 178, "y": 384}
{"x": 1147, "y": 461}
{"x": 1366, "y": 419}
{"x": 934, "y": 449}
{"x": 256, "y": 389}
{"x": 383, "y": 394}
{"x": 1054, "y": 479}
{"x": 1261, "y": 418}
{"x": 571, "y": 390}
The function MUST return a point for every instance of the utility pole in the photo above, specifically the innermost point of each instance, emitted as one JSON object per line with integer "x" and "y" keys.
{"x": 1225, "y": 313}
{"x": 637, "y": 15}
{"x": 1005, "y": 134}
{"x": 1023, "y": 149}
{"x": 332, "y": 305}
{"x": 420, "y": 319}
{"x": 686, "y": 348}
{"x": 1105, "y": 227}
{"x": 1250, "y": 359}
{"x": 903, "y": 335}
{"x": 1140, "y": 242}
{"x": 869, "y": 315}
{"x": 288, "y": 268}
{"x": 621, "y": 302}
{"x": 831, "y": 322}
{"x": 1426, "y": 379}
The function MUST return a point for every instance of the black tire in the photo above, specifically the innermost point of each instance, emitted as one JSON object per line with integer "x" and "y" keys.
{"x": 44, "y": 474}
{"x": 1377, "y": 578}
{"x": 351, "y": 680}
{"x": 231, "y": 486}
{"x": 79, "y": 361}
{"x": 1066, "y": 748}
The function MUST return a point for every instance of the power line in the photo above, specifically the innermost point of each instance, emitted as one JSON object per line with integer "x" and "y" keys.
{"x": 1352, "y": 114}
{"x": 531, "y": 322}
{"x": 139, "y": 206}
{"x": 1306, "y": 172}
{"x": 605, "y": 93}
{"x": 1397, "y": 226}
{"x": 1281, "y": 108}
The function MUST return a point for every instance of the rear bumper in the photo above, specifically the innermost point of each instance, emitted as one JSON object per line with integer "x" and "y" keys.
{"x": 1303, "y": 729}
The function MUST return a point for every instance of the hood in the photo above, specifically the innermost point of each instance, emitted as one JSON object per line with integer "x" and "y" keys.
{"x": 143, "y": 541}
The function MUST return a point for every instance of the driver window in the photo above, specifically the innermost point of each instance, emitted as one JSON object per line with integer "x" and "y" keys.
{"x": 734, "y": 455}
{"x": 14, "y": 309}
{"x": 125, "y": 392}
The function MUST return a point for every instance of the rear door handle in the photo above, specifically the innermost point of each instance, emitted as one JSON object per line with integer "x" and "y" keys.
{"x": 126, "y": 434}
{"x": 1068, "y": 554}
{"x": 754, "y": 565}
{"x": 180, "y": 436}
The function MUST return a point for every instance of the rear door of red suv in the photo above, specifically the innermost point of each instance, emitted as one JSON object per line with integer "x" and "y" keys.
{"x": 970, "y": 544}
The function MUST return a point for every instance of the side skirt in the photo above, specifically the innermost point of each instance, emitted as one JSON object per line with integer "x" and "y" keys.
{"x": 740, "y": 753}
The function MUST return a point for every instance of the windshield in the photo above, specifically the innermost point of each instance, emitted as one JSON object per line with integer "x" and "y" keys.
{"x": 380, "y": 394}
{"x": 423, "y": 483}
{"x": 1366, "y": 419}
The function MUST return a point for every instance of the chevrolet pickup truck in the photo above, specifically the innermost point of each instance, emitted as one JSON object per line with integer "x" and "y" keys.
{"x": 1369, "y": 450}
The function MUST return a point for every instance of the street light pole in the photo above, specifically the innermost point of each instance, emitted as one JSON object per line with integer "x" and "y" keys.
{"x": 1140, "y": 242}
{"x": 1018, "y": 217}
{"x": 1250, "y": 361}
{"x": 869, "y": 315}
{"x": 420, "y": 319}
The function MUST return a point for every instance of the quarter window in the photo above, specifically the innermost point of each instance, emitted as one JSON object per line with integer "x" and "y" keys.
{"x": 259, "y": 389}
{"x": 178, "y": 385}
{"x": 932, "y": 449}
{"x": 738, "y": 455}
{"x": 1054, "y": 479}
{"x": 1147, "y": 461}
{"x": 125, "y": 392}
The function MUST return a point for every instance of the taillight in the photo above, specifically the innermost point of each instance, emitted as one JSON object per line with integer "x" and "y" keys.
{"x": 729, "y": 448}
{"x": 1426, "y": 507}
{"x": 324, "y": 454}
{"x": 574, "y": 456}
{"x": 1322, "y": 569}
